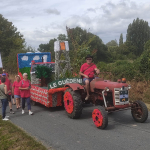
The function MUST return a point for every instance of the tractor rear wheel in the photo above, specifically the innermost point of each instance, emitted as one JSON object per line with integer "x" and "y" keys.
{"x": 139, "y": 111}
{"x": 100, "y": 117}
{"x": 73, "y": 103}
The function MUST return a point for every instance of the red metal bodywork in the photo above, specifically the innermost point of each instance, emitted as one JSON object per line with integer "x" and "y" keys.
{"x": 102, "y": 84}
{"x": 74, "y": 86}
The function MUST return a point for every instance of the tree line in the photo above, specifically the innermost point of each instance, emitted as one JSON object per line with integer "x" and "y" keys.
{"x": 81, "y": 43}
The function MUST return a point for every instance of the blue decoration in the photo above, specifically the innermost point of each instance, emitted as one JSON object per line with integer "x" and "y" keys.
{"x": 24, "y": 59}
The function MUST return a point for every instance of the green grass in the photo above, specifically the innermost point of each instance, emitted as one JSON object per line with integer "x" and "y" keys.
{"x": 13, "y": 138}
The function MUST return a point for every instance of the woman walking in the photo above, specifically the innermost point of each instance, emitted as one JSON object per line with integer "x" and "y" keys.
{"x": 24, "y": 86}
{"x": 3, "y": 97}
{"x": 16, "y": 91}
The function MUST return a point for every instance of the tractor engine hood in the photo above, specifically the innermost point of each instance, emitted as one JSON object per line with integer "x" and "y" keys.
{"x": 102, "y": 84}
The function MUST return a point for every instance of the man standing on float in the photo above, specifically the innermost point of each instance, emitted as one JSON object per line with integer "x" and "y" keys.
{"x": 87, "y": 72}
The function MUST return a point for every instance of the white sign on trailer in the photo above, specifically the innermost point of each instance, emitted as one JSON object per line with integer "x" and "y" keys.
{"x": 1, "y": 65}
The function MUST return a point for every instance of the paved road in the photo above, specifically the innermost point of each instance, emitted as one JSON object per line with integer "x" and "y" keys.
{"x": 54, "y": 128}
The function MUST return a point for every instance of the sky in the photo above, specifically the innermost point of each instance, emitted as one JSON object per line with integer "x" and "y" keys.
{"x": 39, "y": 21}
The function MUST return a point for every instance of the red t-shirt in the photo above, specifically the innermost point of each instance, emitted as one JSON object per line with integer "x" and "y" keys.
{"x": 0, "y": 82}
{"x": 7, "y": 83}
{"x": 16, "y": 88}
{"x": 24, "y": 84}
{"x": 90, "y": 71}
{"x": 7, "y": 74}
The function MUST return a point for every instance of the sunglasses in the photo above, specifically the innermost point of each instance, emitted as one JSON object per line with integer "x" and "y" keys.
{"x": 88, "y": 59}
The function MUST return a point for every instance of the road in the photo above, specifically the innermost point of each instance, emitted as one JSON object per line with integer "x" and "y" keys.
{"x": 52, "y": 127}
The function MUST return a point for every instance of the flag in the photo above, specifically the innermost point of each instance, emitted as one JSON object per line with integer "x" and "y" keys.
{"x": 1, "y": 65}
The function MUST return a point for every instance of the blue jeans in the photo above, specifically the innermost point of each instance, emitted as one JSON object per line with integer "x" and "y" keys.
{"x": 27, "y": 99}
{"x": 4, "y": 105}
{"x": 90, "y": 79}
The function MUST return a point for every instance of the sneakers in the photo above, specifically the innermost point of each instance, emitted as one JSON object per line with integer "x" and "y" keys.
{"x": 30, "y": 113}
{"x": 5, "y": 119}
{"x": 22, "y": 111}
{"x": 11, "y": 111}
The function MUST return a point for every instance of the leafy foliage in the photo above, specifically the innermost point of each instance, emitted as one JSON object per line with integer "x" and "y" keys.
{"x": 121, "y": 39}
{"x": 147, "y": 45}
{"x": 112, "y": 43}
{"x": 43, "y": 71}
{"x": 11, "y": 43}
{"x": 138, "y": 33}
{"x": 25, "y": 70}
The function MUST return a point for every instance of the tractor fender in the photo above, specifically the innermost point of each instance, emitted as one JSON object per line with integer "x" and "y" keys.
{"x": 74, "y": 86}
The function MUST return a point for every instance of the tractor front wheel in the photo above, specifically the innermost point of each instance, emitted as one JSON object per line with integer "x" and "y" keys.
{"x": 100, "y": 117}
{"x": 139, "y": 111}
{"x": 73, "y": 103}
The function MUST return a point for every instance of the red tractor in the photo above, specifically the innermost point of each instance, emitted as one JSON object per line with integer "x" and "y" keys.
{"x": 110, "y": 96}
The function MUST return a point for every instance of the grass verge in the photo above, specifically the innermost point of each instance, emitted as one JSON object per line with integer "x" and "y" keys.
{"x": 148, "y": 106}
{"x": 13, "y": 138}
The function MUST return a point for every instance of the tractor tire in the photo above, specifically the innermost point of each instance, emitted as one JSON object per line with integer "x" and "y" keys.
{"x": 139, "y": 111}
{"x": 100, "y": 117}
{"x": 73, "y": 103}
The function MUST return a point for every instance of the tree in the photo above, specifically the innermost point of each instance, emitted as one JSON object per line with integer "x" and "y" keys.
{"x": 78, "y": 37}
{"x": 147, "y": 45}
{"x": 11, "y": 43}
{"x": 112, "y": 43}
{"x": 121, "y": 39}
{"x": 44, "y": 73}
{"x": 138, "y": 33}
{"x": 62, "y": 37}
{"x": 49, "y": 47}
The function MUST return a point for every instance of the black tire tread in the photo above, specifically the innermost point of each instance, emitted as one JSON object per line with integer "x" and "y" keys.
{"x": 145, "y": 112}
{"x": 77, "y": 109}
{"x": 105, "y": 117}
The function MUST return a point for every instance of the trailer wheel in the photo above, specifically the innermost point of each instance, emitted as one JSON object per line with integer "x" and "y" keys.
{"x": 33, "y": 102}
{"x": 73, "y": 103}
{"x": 100, "y": 117}
{"x": 139, "y": 111}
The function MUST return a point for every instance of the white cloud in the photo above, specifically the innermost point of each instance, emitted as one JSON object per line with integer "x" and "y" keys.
{"x": 91, "y": 9}
{"x": 52, "y": 11}
{"x": 25, "y": 58}
{"x": 36, "y": 57}
{"x": 40, "y": 21}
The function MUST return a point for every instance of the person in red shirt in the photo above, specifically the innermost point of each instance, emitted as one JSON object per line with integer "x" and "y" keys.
{"x": 7, "y": 83}
{"x": 87, "y": 71}
{"x": 16, "y": 91}
{"x": 24, "y": 86}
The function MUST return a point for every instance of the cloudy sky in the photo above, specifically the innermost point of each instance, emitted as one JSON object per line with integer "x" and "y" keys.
{"x": 40, "y": 21}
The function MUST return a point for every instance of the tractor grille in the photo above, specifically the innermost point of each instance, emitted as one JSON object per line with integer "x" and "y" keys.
{"x": 116, "y": 92}
{"x": 117, "y": 97}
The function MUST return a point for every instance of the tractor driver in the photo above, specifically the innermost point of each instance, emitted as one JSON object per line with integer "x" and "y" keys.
{"x": 87, "y": 72}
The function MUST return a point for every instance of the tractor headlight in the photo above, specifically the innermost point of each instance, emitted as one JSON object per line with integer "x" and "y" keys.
{"x": 106, "y": 89}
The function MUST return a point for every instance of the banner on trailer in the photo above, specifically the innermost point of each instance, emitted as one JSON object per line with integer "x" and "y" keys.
{"x": 1, "y": 65}
{"x": 62, "y": 82}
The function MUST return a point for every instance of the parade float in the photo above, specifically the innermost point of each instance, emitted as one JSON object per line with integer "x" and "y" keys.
{"x": 61, "y": 90}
